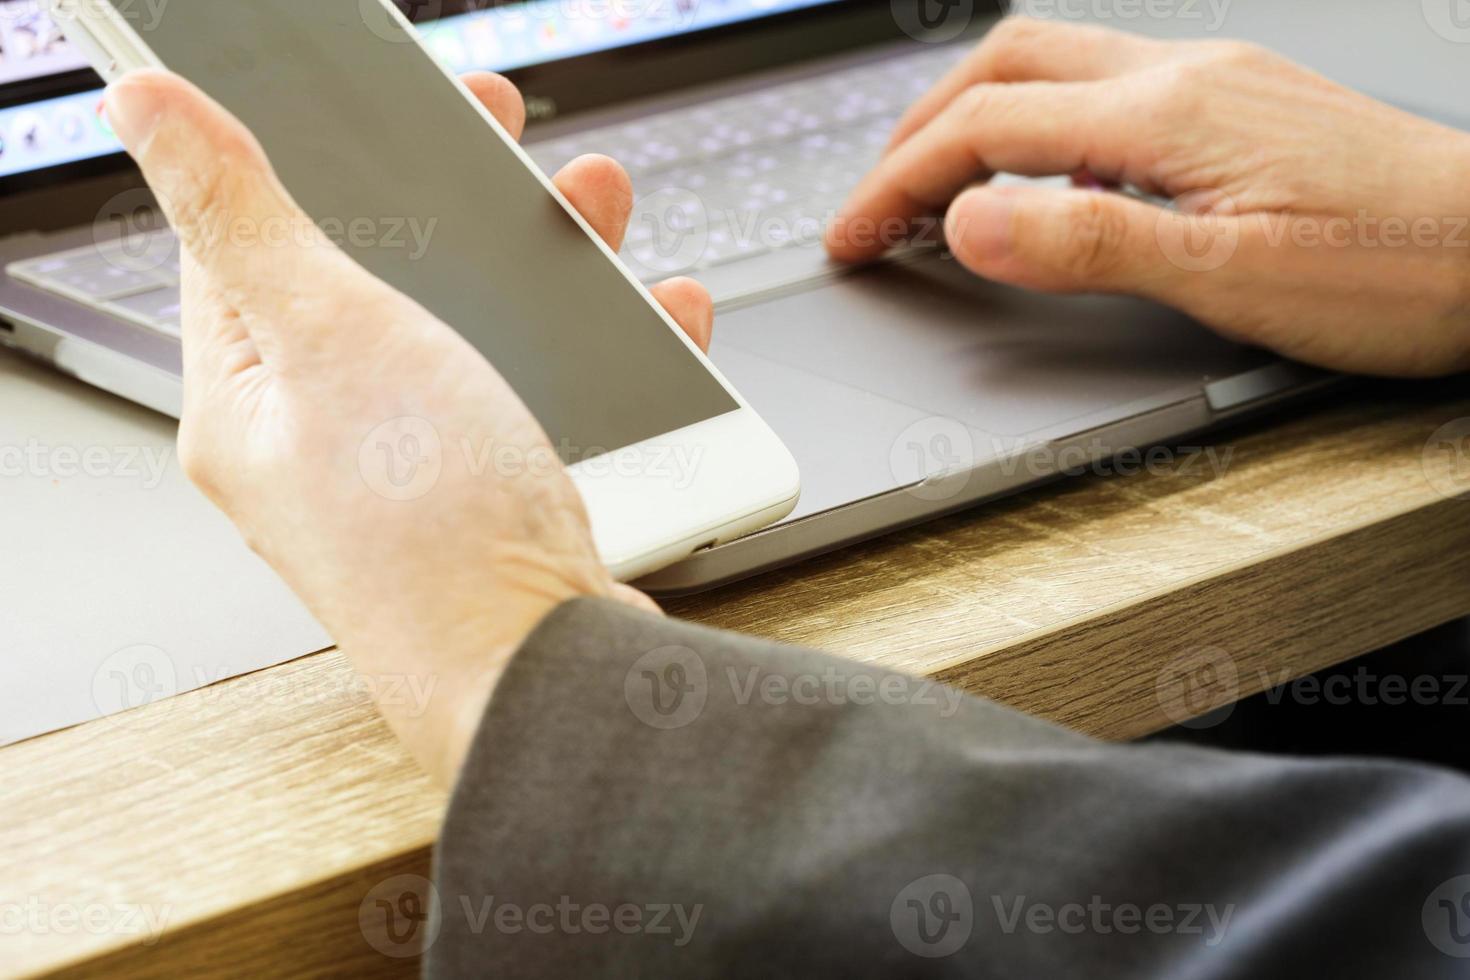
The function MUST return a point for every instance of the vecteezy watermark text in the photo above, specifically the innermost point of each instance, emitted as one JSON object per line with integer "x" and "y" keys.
{"x": 397, "y": 917}
{"x": 674, "y": 230}
{"x": 129, "y": 232}
{"x": 937, "y": 447}
{"x": 407, "y": 234}
{"x": 1207, "y": 15}
{"x": 1203, "y": 231}
{"x": 1366, "y": 687}
{"x": 1199, "y": 688}
{"x": 669, "y": 687}
{"x": 834, "y": 687}
{"x": 145, "y": 465}
{"x": 1101, "y": 917}
{"x": 429, "y": 20}
{"x": 936, "y": 915}
{"x": 37, "y": 917}
{"x": 404, "y": 458}
{"x": 568, "y": 917}
{"x": 141, "y": 15}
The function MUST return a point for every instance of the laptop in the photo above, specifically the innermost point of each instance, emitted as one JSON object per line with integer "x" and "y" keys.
{"x": 906, "y": 389}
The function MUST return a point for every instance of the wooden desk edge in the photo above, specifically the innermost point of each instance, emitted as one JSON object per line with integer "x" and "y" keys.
{"x": 302, "y": 918}
{"x": 1213, "y": 623}
{"x": 1390, "y": 575}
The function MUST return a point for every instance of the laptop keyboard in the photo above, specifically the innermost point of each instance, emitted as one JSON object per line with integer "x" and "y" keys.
{"x": 718, "y": 182}
{"x": 731, "y": 179}
{"x": 136, "y": 279}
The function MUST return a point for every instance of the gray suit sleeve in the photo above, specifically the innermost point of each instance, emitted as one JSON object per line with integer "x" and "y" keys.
{"x": 651, "y": 798}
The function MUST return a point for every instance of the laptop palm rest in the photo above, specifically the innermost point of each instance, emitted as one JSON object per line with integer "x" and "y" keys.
{"x": 858, "y": 375}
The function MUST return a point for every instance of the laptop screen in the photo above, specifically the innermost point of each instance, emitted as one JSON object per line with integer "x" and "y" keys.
{"x": 50, "y": 102}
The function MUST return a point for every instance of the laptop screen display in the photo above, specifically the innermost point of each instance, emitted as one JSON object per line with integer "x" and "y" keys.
{"x": 50, "y": 103}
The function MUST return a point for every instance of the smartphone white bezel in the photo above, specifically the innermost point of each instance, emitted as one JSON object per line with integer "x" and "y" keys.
{"x": 703, "y": 484}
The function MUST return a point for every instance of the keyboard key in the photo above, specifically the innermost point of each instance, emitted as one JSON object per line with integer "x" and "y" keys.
{"x": 89, "y": 275}
{"x": 157, "y": 309}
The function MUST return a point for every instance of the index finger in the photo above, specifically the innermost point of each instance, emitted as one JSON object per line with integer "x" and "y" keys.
{"x": 1031, "y": 128}
{"x": 1020, "y": 49}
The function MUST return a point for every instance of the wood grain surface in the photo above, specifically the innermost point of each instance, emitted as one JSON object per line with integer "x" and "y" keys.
{"x": 237, "y": 829}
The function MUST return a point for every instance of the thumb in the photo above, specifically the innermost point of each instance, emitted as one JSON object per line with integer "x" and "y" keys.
{"x": 1071, "y": 240}
{"x": 218, "y": 191}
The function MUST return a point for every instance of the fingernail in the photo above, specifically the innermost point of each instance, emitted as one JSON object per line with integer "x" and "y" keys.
{"x": 981, "y": 219}
{"x": 133, "y": 109}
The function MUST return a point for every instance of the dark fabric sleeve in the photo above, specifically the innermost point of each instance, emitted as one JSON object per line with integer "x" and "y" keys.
{"x": 650, "y": 798}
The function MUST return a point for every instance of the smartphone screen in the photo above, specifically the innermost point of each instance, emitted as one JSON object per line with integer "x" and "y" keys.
{"x": 393, "y": 162}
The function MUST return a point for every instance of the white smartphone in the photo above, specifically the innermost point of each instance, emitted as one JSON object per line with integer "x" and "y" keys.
{"x": 369, "y": 131}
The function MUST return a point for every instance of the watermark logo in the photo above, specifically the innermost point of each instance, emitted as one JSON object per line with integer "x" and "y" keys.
{"x": 674, "y": 230}
{"x": 1104, "y": 918}
{"x": 1208, "y": 15}
{"x": 378, "y": 17}
{"x": 397, "y": 918}
{"x": 836, "y": 688}
{"x": 405, "y": 915}
{"x": 133, "y": 677}
{"x": 411, "y": 694}
{"x": 669, "y": 231}
{"x": 1446, "y": 459}
{"x": 1446, "y": 917}
{"x": 1199, "y": 688}
{"x": 673, "y": 922}
{"x": 935, "y": 21}
{"x": 1364, "y": 687}
{"x": 933, "y": 916}
{"x": 401, "y": 459}
{"x": 933, "y": 450}
{"x": 1450, "y": 19}
{"x": 670, "y": 687}
{"x": 1202, "y": 231}
{"x": 1199, "y": 233}
{"x": 1363, "y": 229}
{"x": 141, "y": 15}
{"x": 131, "y": 234}
{"x": 667, "y": 688}
{"x": 1099, "y": 458}
{"x": 573, "y": 12}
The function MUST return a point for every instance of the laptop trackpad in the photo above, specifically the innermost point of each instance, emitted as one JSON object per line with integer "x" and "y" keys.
{"x": 930, "y": 335}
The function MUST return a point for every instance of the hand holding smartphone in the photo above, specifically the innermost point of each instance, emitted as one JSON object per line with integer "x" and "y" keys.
{"x": 391, "y": 156}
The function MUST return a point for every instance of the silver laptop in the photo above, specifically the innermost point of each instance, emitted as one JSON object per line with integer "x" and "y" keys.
{"x": 906, "y": 389}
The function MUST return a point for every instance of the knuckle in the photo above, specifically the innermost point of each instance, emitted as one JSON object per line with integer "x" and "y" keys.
{"x": 1186, "y": 90}
{"x": 1020, "y": 46}
{"x": 1238, "y": 54}
{"x": 1011, "y": 58}
{"x": 1016, "y": 31}
{"x": 194, "y": 456}
{"x": 977, "y": 101}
